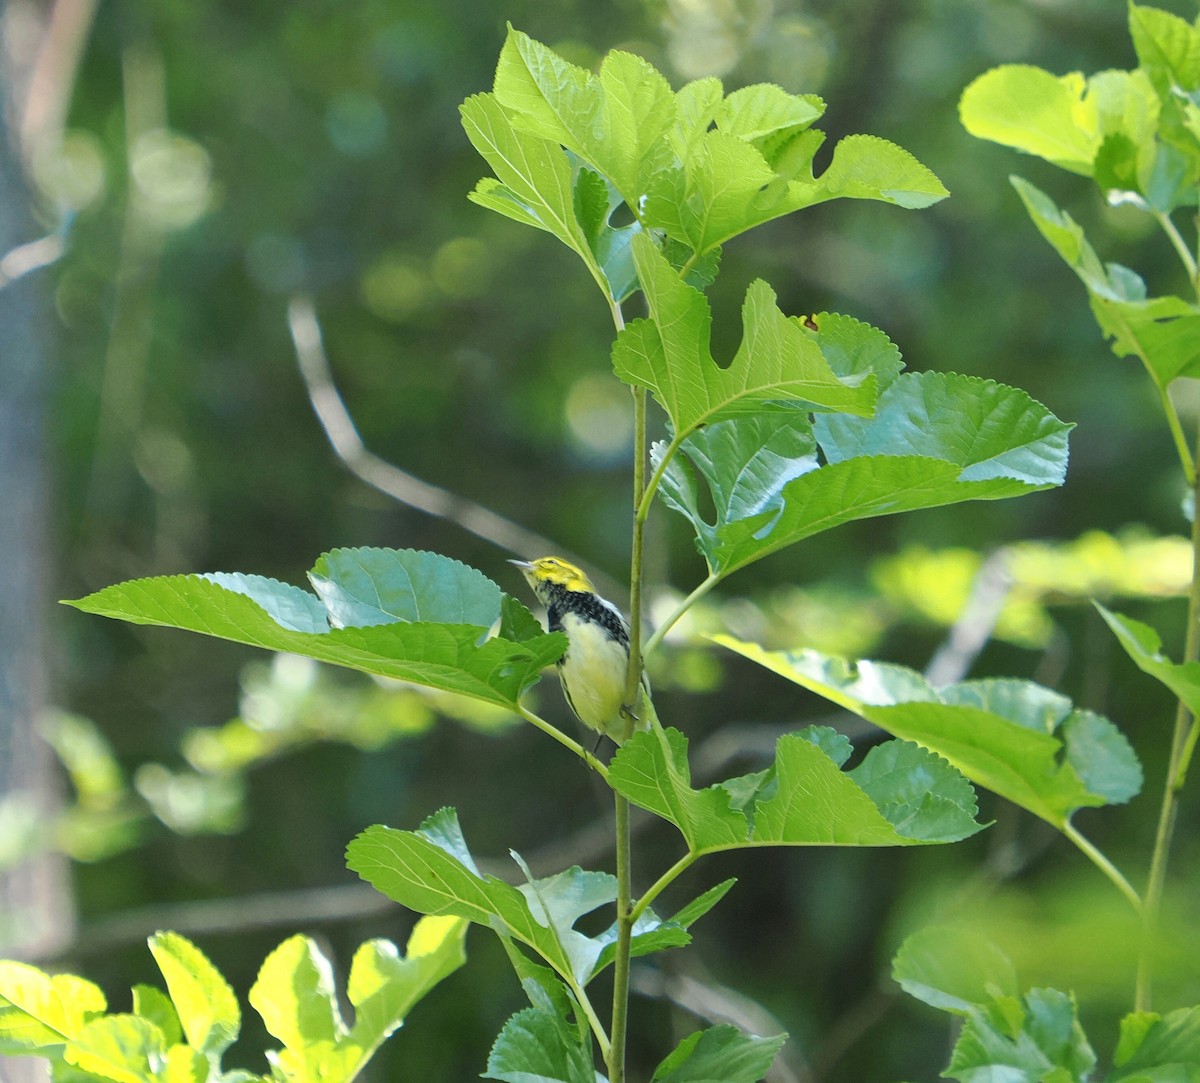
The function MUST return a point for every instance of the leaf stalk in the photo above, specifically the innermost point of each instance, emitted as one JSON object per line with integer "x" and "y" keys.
{"x": 1183, "y": 745}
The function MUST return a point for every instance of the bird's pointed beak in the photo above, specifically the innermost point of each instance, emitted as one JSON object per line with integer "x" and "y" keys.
{"x": 524, "y": 565}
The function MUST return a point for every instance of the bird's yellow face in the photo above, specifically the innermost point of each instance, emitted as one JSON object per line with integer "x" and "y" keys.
{"x": 553, "y": 571}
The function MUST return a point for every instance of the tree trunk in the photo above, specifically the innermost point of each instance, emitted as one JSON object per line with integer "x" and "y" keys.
{"x": 35, "y": 907}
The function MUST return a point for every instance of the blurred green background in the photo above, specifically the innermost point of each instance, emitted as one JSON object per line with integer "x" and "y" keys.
{"x": 220, "y": 157}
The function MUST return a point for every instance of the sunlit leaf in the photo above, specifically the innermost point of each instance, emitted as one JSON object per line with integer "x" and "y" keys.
{"x": 450, "y": 647}
{"x": 295, "y": 995}
{"x": 123, "y": 1048}
{"x": 39, "y": 1012}
{"x": 1027, "y": 108}
{"x": 1013, "y": 737}
{"x": 208, "y": 1010}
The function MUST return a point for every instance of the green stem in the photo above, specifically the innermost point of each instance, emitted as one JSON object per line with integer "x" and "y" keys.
{"x": 1185, "y": 256}
{"x": 1183, "y": 744}
{"x": 1101, "y": 862}
{"x": 708, "y": 584}
{"x": 553, "y": 731}
{"x": 1181, "y": 444}
{"x": 643, "y": 508}
{"x": 662, "y": 883}
{"x": 589, "y": 1012}
{"x": 615, "y": 1057}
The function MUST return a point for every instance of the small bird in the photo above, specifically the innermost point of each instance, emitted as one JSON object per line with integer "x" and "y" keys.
{"x": 594, "y": 669}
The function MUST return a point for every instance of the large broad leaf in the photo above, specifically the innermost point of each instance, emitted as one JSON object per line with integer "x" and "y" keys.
{"x": 719, "y": 1053}
{"x": 295, "y": 995}
{"x": 415, "y": 616}
{"x": 778, "y": 359}
{"x": 1019, "y": 740}
{"x": 935, "y": 439}
{"x": 898, "y": 796}
{"x": 1162, "y": 332}
{"x": 1143, "y": 645}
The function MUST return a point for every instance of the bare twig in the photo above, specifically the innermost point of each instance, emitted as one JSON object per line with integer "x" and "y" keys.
{"x": 970, "y": 633}
{"x": 51, "y": 76}
{"x": 716, "y": 1003}
{"x": 19, "y": 261}
{"x": 388, "y": 479}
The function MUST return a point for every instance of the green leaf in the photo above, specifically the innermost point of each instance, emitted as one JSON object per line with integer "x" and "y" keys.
{"x": 208, "y": 1010}
{"x": 1047, "y": 1044}
{"x": 294, "y": 993}
{"x": 727, "y": 186}
{"x": 1168, "y": 48}
{"x": 39, "y": 1012}
{"x": 539, "y": 1045}
{"x": 152, "y": 1003}
{"x": 867, "y": 167}
{"x": 363, "y": 587}
{"x": 123, "y": 1048}
{"x": 617, "y": 121}
{"x": 669, "y": 355}
{"x": 855, "y": 349}
{"x": 187, "y": 1065}
{"x": 1159, "y": 1049}
{"x": 414, "y": 869}
{"x": 992, "y": 432}
{"x": 935, "y": 439}
{"x": 1143, "y": 645}
{"x": 652, "y": 933}
{"x": 1162, "y": 332}
{"x": 803, "y": 800}
{"x": 1027, "y": 108}
{"x": 384, "y": 985}
{"x": 721, "y": 1054}
{"x": 954, "y": 969}
{"x": 1013, "y": 737}
{"x": 450, "y": 648}
{"x": 764, "y": 113}
{"x": 534, "y": 182}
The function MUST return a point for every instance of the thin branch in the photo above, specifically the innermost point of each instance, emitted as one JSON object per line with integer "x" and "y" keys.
{"x": 716, "y": 1003}
{"x": 340, "y": 430}
{"x": 969, "y": 634}
{"x": 31, "y": 256}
